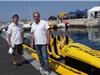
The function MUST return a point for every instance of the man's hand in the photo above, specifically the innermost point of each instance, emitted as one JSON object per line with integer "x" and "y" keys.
{"x": 31, "y": 45}
{"x": 9, "y": 43}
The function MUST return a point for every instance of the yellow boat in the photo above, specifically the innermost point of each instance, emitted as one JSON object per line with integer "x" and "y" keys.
{"x": 77, "y": 51}
{"x": 55, "y": 65}
{"x": 79, "y": 54}
{"x": 73, "y": 50}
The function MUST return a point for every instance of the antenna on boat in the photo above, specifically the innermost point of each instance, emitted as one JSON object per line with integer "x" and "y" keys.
{"x": 30, "y": 11}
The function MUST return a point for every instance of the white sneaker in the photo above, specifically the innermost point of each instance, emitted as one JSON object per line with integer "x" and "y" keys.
{"x": 41, "y": 70}
{"x": 46, "y": 73}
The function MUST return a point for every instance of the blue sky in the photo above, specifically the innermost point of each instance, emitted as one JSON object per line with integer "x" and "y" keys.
{"x": 25, "y": 8}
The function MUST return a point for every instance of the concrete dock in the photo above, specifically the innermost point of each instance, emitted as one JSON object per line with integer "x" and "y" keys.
{"x": 6, "y": 66}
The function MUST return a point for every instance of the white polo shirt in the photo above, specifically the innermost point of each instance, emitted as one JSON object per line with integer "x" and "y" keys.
{"x": 16, "y": 33}
{"x": 40, "y": 32}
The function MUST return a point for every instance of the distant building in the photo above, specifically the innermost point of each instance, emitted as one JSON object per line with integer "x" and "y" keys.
{"x": 94, "y": 12}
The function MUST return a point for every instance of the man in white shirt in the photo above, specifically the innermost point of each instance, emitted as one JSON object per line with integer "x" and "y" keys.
{"x": 40, "y": 38}
{"x": 15, "y": 39}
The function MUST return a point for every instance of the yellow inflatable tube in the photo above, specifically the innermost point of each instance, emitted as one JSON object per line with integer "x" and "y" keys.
{"x": 56, "y": 66}
{"x": 80, "y": 55}
{"x": 86, "y": 49}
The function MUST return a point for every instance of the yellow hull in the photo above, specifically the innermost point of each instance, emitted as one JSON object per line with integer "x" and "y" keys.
{"x": 56, "y": 66}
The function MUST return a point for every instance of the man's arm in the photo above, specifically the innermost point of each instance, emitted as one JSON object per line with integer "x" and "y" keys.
{"x": 9, "y": 32}
{"x": 9, "y": 40}
{"x": 32, "y": 39}
{"x": 48, "y": 37}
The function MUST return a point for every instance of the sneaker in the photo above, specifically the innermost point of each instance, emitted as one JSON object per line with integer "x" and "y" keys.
{"x": 41, "y": 70}
{"x": 46, "y": 73}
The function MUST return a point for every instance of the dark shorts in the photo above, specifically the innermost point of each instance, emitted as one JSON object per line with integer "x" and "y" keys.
{"x": 18, "y": 49}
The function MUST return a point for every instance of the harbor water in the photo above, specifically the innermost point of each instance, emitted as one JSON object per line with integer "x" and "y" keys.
{"x": 88, "y": 36}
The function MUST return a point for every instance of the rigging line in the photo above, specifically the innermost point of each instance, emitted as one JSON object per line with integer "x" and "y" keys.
{"x": 30, "y": 11}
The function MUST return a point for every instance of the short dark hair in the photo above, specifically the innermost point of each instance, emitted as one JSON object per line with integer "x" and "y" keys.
{"x": 15, "y": 16}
